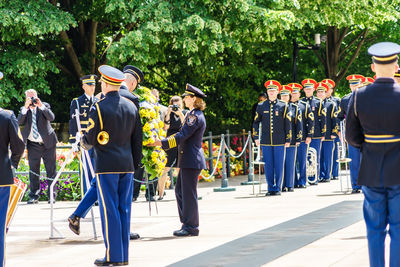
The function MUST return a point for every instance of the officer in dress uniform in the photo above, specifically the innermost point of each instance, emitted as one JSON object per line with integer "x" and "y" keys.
{"x": 307, "y": 119}
{"x": 190, "y": 160}
{"x": 373, "y": 126}
{"x": 331, "y": 133}
{"x": 297, "y": 134}
{"x": 83, "y": 104}
{"x": 117, "y": 144}
{"x": 320, "y": 119}
{"x": 336, "y": 100}
{"x": 275, "y": 135}
{"x": 355, "y": 81}
{"x": 10, "y": 137}
{"x": 133, "y": 77}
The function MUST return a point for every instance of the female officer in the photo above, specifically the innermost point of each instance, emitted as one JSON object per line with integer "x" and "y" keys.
{"x": 173, "y": 123}
{"x": 190, "y": 160}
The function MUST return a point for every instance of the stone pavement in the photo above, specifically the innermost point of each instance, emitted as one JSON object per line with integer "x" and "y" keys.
{"x": 317, "y": 226}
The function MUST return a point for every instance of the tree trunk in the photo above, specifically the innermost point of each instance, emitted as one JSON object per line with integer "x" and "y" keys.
{"x": 72, "y": 55}
{"x": 335, "y": 55}
{"x": 92, "y": 45}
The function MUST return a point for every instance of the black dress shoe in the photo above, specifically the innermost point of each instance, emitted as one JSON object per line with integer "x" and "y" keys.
{"x": 355, "y": 191}
{"x": 302, "y": 186}
{"x": 134, "y": 199}
{"x": 103, "y": 262}
{"x": 32, "y": 201}
{"x": 335, "y": 178}
{"x": 290, "y": 189}
{"x": 134, "y": 236}
{"x": 270, "y": 193}
{"x": 284, "y": 189}
{"x": 277, "y": 193}
{"x": 74, "y": 224}
{"x": 184, "y": 232}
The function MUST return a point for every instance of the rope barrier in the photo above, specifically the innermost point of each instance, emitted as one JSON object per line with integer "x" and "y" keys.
{"x": 241, "y": 153}
{"x": 216, "y": 165}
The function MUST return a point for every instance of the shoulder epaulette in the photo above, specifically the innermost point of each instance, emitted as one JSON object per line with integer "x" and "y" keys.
{"x": 261, "y": 102}
{"x": 75, "y": 98}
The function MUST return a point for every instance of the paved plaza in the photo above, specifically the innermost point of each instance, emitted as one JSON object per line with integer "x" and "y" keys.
{"x": 317, "y": 226}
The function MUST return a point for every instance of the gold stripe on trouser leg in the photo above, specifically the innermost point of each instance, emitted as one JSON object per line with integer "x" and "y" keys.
{"x": 105, "y": 217}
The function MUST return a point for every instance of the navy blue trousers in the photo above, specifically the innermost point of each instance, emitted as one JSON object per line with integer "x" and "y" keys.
{"x": 382, "y": 208}
{"x": 335, "y": 168}
{"x": 115, "y": 199}
{"x": 326, "y": 160}
{"x": 84, "y": 186}
{"x": 274, "y": 161}
{"x": 355, "y": 155}
{"x": 316, "y": 143}
{"x": 4, "y": 199}
{"x": 87, "y": 201}
{"x": 186, "y": 198}
{"x": 301, "y": 169}
{"x": 290, "y": 163}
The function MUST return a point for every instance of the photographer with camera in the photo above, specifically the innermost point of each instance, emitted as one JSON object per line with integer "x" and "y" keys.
{"x": 173, "y": 121}
{"x": 40, "y": 140}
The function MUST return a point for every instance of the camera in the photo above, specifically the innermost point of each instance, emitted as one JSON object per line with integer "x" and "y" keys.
{"x": 175, "y": 107}
{"x": 34, "y": 101}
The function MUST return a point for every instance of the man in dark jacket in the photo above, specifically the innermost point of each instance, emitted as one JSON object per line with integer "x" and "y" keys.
{"x": 40, "y": 140}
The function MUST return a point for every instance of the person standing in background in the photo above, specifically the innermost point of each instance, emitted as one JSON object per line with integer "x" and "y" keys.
{"x": 40, "y": 140}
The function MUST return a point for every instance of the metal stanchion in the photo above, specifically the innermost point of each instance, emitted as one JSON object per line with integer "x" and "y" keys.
{"x": 250, "y": 177}
{"x": 228, "y": 158}
{"x": 224, "y": 181}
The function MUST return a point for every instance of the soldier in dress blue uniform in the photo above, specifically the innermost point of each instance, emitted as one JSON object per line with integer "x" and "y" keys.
{"x": 190, "y": 160}
{"x": 373, "y": 126}
{"x": 355, "y": 81}
{"x": 336, "y": 100}
{"x": 83, "y": 104}
{"x": 10, "y": 136}
{"x": 133, "y": 77}
{"x": 297, "y": 134}
{"x": 275, "y": 135}
{"x": 117, "y": 144}
{"x": 320, "y": 119}
{"x": 307, "y": 119}
{"x": 331, "y": 133}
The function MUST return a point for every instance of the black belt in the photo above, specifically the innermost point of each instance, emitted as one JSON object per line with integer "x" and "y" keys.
{"x": 39, "y": 143}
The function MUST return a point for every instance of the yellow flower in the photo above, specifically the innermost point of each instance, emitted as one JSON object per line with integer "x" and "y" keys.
{"x": 146, "y": 128}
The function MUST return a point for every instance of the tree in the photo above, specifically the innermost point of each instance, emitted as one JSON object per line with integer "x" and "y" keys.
{"x": 346, "y": 25}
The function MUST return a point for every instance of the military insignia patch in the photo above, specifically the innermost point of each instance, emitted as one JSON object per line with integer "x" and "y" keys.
{"x": 191, "y": 120}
